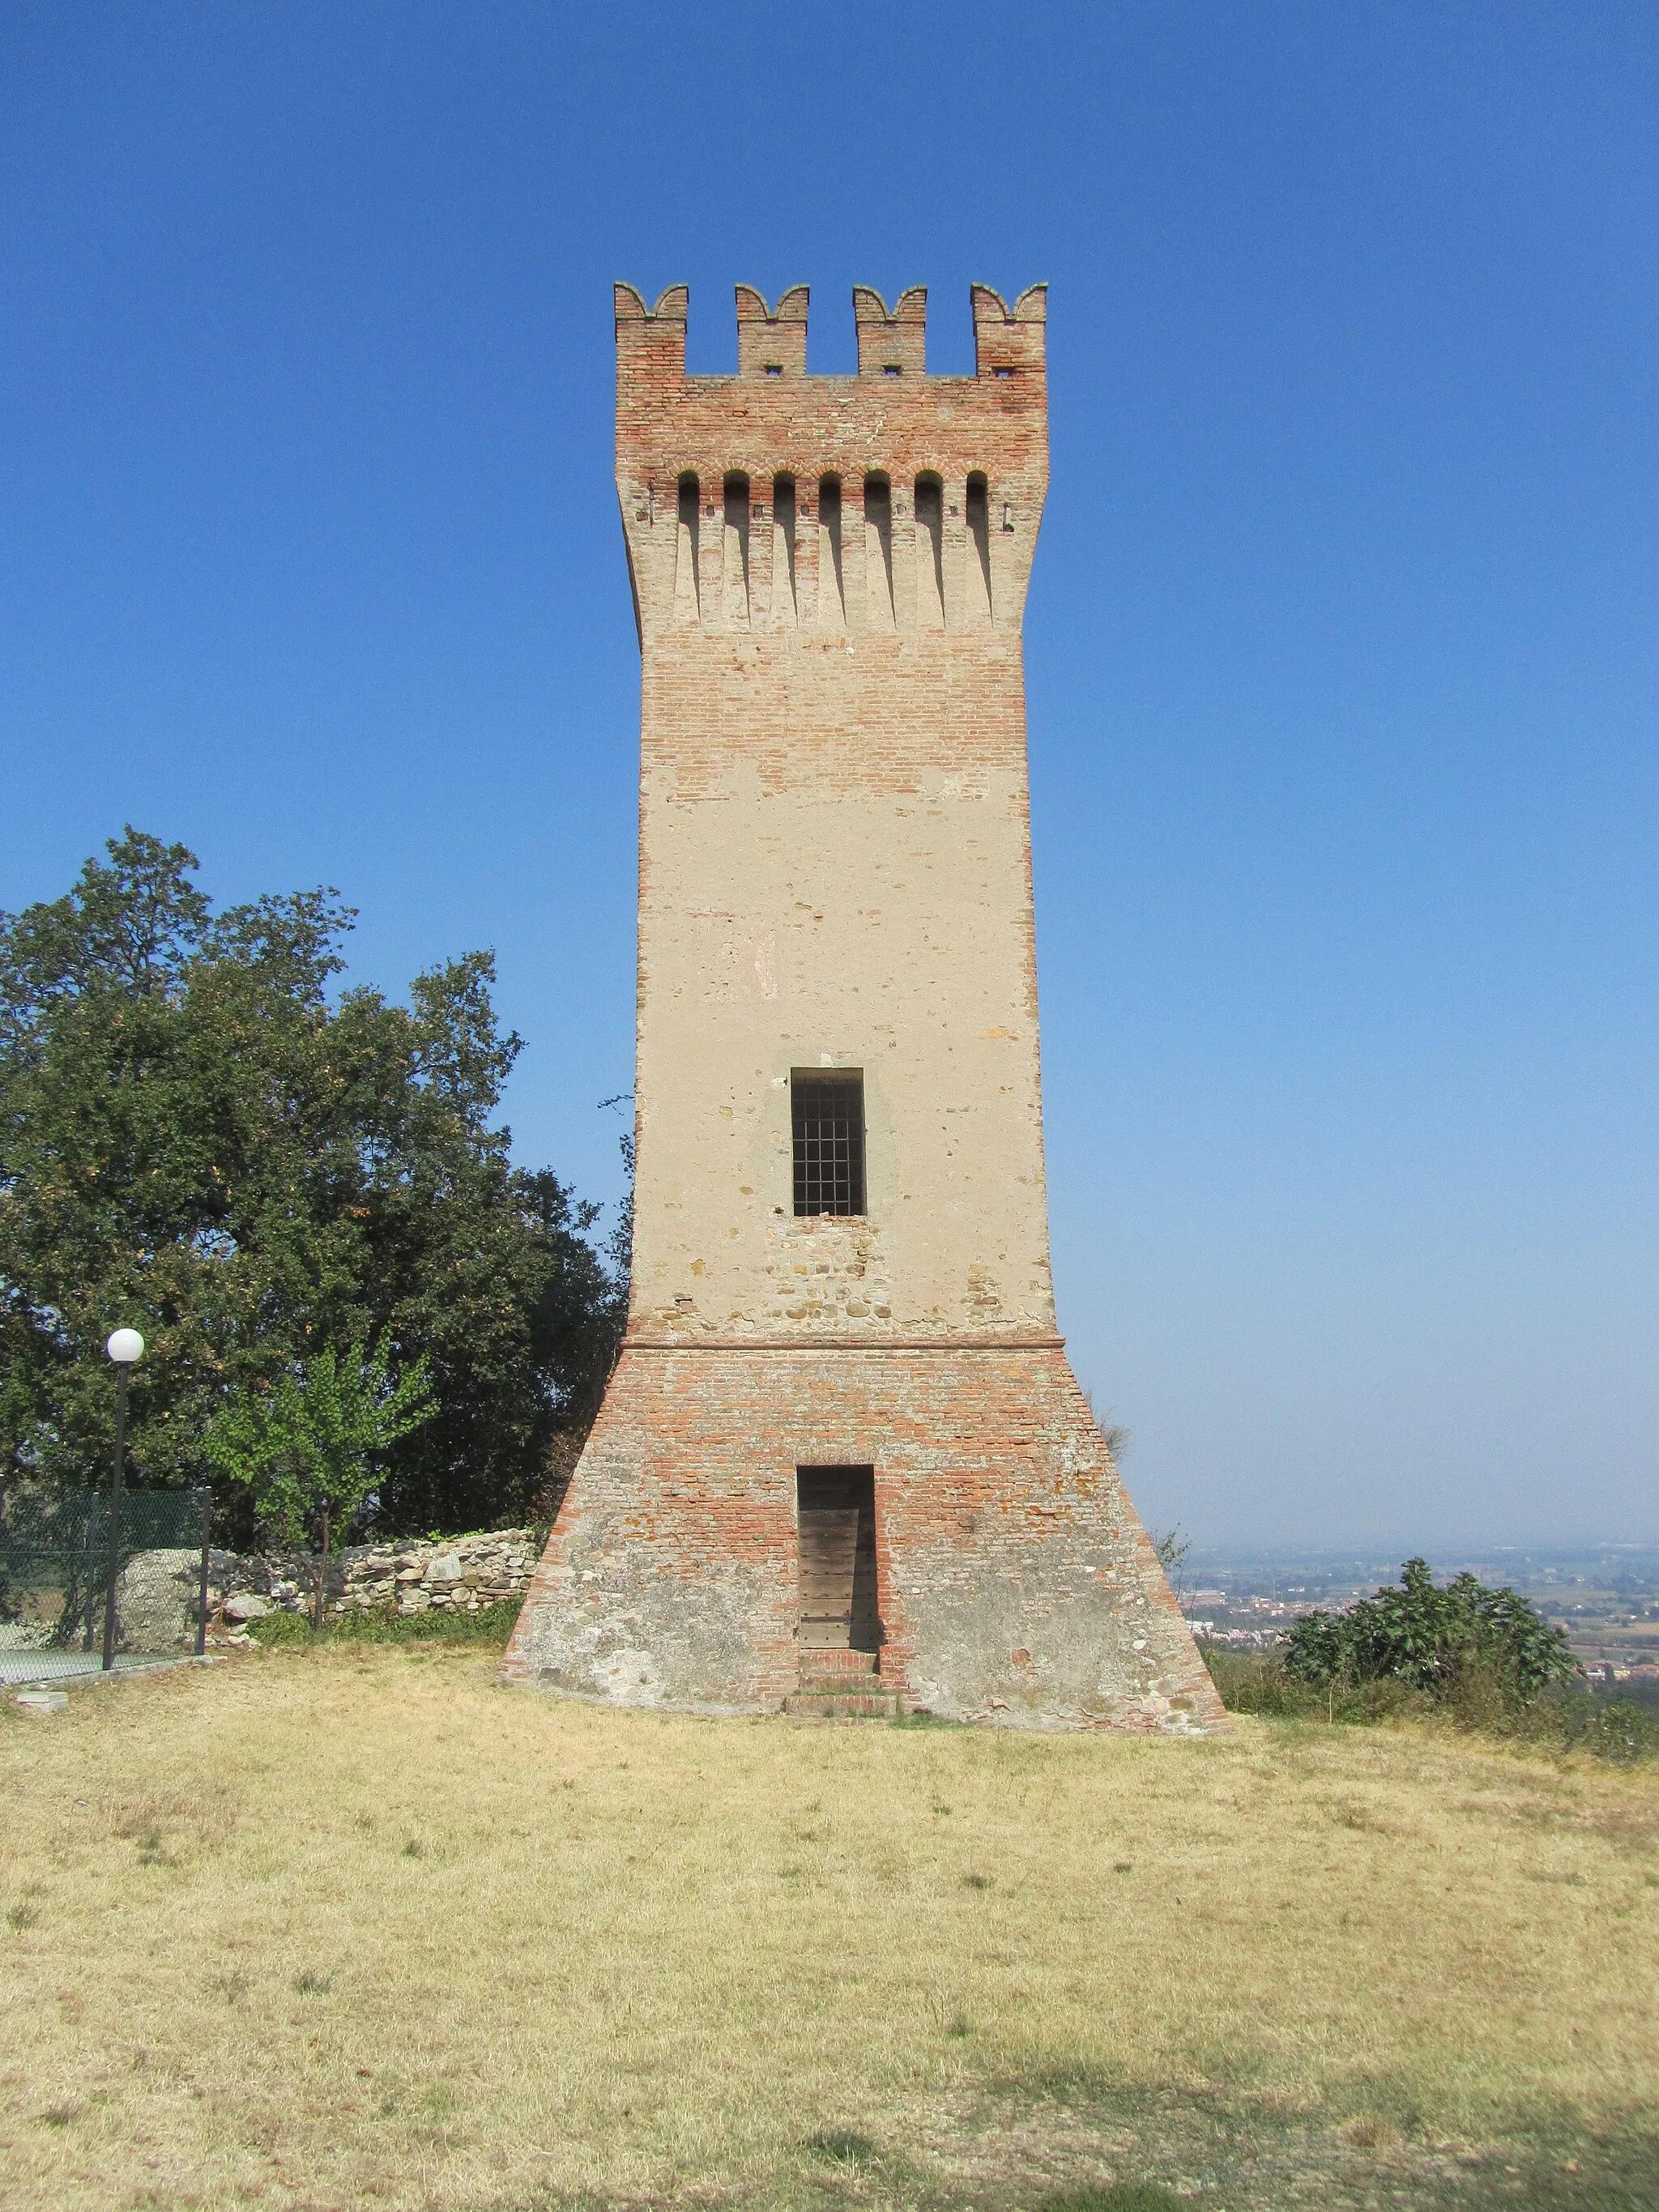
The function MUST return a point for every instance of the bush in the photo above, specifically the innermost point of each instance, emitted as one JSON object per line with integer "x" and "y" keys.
{"x": 489, "y": 1627}
{"x": 272, "y": 1629}
{"x": 1259, "y": 1682}
{"x": 1487, "y": 1652}
{"x": 1621, "y": 1730}
{"x": 1564, "y": 1717}
{"x": 491, "y": 1624}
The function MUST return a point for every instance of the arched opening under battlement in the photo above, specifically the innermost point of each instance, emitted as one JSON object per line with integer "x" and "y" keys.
{"x": 832, "y": 589}
{"x": 879, "y": 549}
{"x": 785, "y": 538}
{"x": 687, "y": 534}
{"x": 734, "y": 549}
{"x": 930, "y": 550}
{"x": 978, "y": 609}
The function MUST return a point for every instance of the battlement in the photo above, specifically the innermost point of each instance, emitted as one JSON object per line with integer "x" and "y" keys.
{"x": 1008, "y": 341}
{"x": 767, "y": 344}
{"x": 776, "y": 500}
{"x": 894, "y": 344}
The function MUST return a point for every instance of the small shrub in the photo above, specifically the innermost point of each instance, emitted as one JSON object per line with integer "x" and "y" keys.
{"x": 273, "y": 1630}
{"x": 491, "y": 1624}
{"x": 1255, "y": 1682}
{"x": 1620, "y": 1730}
{"x": 1259, "y": 1682}
{"x": 1566, "y": 1717}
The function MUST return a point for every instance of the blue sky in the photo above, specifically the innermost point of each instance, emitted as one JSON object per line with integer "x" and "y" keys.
{"x": 1341, "y": 643}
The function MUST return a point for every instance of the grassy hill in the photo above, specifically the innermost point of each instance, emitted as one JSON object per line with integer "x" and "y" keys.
{"x": 356, "y": 1926}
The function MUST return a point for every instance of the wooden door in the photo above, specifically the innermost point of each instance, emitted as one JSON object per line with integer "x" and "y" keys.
{"x": 838, "y": 1560}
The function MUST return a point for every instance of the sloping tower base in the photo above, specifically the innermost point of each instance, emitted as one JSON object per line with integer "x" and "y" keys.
{"x": 1012, "y": 1582}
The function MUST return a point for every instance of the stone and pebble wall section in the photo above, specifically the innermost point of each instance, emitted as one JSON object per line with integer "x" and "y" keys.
{"x": 454, "y": 1574}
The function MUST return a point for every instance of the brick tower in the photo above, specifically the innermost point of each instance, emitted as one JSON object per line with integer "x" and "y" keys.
{"x": 842, "y": 1461}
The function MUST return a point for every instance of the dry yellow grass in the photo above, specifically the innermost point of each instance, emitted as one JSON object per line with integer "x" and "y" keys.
{"x": 360, "y": 1927}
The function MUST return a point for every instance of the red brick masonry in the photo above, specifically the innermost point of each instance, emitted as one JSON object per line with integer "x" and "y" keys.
{"x": 1015, "y": 1584}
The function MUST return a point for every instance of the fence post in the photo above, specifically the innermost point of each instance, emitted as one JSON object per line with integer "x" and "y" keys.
{"x": 201, "y": 1599}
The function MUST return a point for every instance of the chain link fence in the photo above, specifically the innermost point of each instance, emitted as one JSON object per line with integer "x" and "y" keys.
{"x": 55, "y": 1558}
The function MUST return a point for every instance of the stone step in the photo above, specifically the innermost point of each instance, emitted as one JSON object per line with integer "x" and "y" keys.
{"x": 845, "y": 1705}
{"x": 836, "y": 1666}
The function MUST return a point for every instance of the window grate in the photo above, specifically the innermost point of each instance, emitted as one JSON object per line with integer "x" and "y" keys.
{"x": 829, "y": 1131}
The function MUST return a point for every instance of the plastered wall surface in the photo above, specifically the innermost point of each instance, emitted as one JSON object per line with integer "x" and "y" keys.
{"x": 829, "y": 577}
{"x": 815, "y": 892}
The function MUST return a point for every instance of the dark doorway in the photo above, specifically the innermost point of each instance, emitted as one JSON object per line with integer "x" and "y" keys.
{"x": 837, "y": 1506}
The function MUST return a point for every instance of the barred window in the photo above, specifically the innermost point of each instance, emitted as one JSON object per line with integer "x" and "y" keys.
{"x": 828, "y": 1128}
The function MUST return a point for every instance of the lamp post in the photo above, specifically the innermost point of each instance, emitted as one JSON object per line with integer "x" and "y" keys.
{"x": 125, "y": 1346}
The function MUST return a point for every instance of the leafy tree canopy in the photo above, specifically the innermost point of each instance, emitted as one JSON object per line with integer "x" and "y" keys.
{"x": 196, "y": 1141}
{"x": 1432, "y": 1636}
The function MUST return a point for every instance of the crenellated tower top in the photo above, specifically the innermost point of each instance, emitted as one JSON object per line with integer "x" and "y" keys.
{"x": 771, "y": 342}
{"x": 837, "y": 496}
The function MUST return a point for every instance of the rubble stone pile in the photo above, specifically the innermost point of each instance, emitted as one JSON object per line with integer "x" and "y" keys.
{"x": 448, "y": 1573}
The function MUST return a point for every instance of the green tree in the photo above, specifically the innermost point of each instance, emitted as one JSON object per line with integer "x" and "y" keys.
{"x": 308, "y": 1447}
{"x": 1435, "y": 1637}
{"x": 201, "y": 1137}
